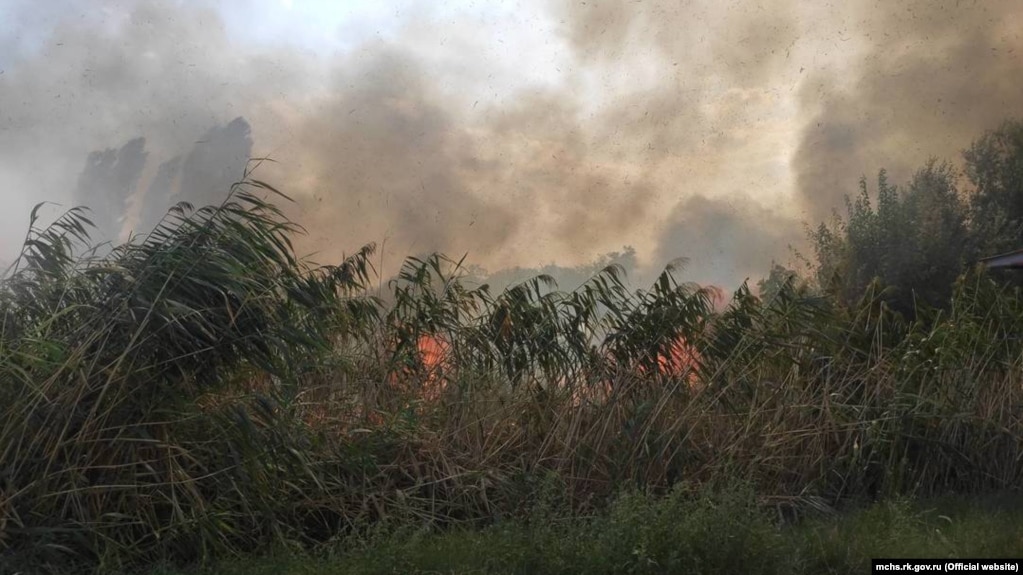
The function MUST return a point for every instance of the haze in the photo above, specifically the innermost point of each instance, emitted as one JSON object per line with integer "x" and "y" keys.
{"x": 522, "y": 133}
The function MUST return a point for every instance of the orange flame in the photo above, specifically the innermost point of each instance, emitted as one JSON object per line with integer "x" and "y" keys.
{"x": 432, "y": 365}
{"x": 680, "y": 361}
{"x": 433, "y": 351}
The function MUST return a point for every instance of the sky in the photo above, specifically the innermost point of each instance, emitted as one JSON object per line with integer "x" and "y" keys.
{"x": 522, "y": 133}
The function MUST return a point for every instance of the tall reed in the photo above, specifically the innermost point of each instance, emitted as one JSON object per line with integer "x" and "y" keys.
{"x": 203, "y": 391}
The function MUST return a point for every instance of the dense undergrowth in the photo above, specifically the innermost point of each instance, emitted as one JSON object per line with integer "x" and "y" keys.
{"x": 201, "y": 392}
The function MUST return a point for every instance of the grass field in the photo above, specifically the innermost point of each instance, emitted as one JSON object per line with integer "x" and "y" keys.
{"x": 726, "y": 533}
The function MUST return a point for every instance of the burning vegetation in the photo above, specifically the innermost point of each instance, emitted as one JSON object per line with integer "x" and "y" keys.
{"x": 202, "y": 389}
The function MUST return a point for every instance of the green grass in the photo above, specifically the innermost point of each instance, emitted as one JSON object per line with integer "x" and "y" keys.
{"x": 721, "y": 533}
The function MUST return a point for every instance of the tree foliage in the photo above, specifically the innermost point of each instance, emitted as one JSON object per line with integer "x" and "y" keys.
{"x": 994, "y": 166}
{"x": 914, "y": 240}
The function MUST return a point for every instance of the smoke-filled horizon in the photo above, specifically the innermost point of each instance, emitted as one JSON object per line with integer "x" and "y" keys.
{"x": 522, "y": 134}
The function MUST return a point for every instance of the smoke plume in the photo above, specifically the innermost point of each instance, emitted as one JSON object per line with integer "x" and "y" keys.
{"x": 550, "y": 132}
{"x": 928, "y": 77}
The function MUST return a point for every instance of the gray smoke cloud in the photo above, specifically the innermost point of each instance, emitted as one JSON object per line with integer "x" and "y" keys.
{"x": 930, "y": 76}
{"x": 549, "y": 132}
{"x": 98, "y": 102}
{"x": 729, "y": 241}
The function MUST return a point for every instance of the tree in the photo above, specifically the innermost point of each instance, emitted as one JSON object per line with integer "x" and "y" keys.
{"x": 938, "y": 217}
{"x": 994, "y": 166}
{"x": 915, "y": 241}
{"x": 106, "y": 182}
{"x": 780, "y": 276}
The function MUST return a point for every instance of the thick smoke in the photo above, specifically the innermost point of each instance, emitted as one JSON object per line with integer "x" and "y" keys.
{"x": 97, "y": 100}
{"x": 383, "y": 157}
{"x": 706, "y": 123}
{"x": 930, "y": 76}
{"x": 729, "y": 241}
{"x": 546, "y": 133}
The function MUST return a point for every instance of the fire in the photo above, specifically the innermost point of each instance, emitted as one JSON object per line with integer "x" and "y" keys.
{"x": 435, "y": 365}
{"x": 433, "y": 352}
{"x": 431, "y": 366}
{"x": 681, "y": 359}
